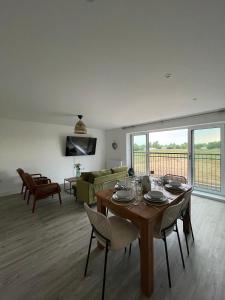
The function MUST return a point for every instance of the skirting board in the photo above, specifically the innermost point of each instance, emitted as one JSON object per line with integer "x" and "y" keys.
{"x": 209, "y": 196}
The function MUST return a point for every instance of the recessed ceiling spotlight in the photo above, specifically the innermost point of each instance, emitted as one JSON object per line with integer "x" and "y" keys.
{"x": 168, "y": 75}
{"x": 194, "y": 99}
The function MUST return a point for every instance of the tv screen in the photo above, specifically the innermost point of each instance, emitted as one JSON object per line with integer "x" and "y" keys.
{"x": 76, "y": 146}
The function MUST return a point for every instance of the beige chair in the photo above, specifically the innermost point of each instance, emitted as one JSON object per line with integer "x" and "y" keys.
{"x": 185, "y": 212}
{"x": 167, "y": 225}
{"x": 113, "y": 233}
{"x": 173, "y": 177}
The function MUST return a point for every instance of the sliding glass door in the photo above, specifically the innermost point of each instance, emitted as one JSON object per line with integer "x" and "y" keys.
{"x": 161, "y": 152}
{"x": 206, "y": 159}
{"x": 140, "y": 153}
{"x": 196, "y": 153}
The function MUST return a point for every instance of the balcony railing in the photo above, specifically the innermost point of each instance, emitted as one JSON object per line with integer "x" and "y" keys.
{"x": 206, "y": 167}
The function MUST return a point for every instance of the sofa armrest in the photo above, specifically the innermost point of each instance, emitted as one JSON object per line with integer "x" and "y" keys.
{"x": 82, "y": 190}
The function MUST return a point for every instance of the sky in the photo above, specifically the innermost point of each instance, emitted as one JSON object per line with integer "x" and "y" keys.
{"x": 207, "y": 135}
{"x": 180, "y": 136}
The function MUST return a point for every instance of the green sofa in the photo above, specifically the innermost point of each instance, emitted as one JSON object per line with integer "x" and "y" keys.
{"x": 92, "y": 182}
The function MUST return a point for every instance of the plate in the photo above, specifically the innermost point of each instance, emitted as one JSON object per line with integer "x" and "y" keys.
{"x": 174, "y": 184}
{"x": 153, "y": 200}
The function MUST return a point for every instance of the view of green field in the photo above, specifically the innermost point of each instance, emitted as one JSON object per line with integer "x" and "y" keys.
{"x": 173, "y": 158}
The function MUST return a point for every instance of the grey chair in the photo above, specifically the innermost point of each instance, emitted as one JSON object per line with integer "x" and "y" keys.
{"x": 185, "y": 212}
{"x": 113, "y": 233}
{"x": 165, "y": 227}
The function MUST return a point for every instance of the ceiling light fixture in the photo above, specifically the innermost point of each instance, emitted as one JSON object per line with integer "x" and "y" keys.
{"x": 168, "y": 75}
{"x": 80, "y": 127}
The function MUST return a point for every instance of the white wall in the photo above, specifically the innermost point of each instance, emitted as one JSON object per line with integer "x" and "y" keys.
{"x": 121, "y": 136}
{"x": 39, "y": 147}
{"x": 112, "y": 155}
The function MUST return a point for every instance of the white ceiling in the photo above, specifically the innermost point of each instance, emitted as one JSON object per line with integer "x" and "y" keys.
{"x": 107, "y": 59}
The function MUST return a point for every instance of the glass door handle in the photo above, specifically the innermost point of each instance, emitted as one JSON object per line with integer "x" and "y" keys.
{"x": 189, "y": 156}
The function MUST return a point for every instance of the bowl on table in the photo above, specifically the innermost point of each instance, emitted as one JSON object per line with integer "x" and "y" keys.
{"x": 174, "y": 184}
{"x": 155, "y": 195}
{"x": 124, "y": 194}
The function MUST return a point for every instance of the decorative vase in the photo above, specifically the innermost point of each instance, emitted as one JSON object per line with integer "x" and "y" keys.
{"x": 77, "y": 169}
{"x": 131, "y": 172}
{"x": 77, "y": 172}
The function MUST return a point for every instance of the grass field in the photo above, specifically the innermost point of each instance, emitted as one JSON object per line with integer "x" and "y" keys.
{"x": 207, "y": 165}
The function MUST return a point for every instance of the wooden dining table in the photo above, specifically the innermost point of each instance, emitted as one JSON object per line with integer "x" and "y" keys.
{"x": 144, "y": 216}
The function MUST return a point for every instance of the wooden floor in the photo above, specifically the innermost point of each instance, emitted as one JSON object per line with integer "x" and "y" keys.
{"x": 42, "y": 256}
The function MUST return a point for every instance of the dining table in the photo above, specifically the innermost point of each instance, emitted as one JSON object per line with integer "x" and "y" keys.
{"x": 144, "y": 216}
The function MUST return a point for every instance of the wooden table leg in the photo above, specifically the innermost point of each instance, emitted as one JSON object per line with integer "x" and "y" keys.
{"x": 146, "y": 258}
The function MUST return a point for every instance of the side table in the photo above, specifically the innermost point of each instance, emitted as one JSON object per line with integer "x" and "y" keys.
{"x": 70, "y": 180}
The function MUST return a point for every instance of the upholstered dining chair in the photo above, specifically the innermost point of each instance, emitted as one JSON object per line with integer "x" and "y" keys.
{"x": 113, "y": 233}
{"x": 185, "y": 212}
{"x": 165, "y": 227}
{"x": 41, "y": 191}
{"x": 173, "y": 177}
{"x": 37, "y": 177}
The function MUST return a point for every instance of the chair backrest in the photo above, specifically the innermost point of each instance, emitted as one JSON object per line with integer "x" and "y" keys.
{"x": 186, "y": 200}
{"x": 29, "y": 182}
{"x": 170, "y": 215}
{"x": 173, "y": 177}
{"x": 99, "y": 221}
{"x": 20, "y": 172}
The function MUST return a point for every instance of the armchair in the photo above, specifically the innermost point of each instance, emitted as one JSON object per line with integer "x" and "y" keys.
{"x": 38, "y": 178}
{"x": 40, "y": 191}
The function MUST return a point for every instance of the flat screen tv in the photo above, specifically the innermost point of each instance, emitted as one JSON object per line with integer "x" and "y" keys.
{"x": 76, "y": 146}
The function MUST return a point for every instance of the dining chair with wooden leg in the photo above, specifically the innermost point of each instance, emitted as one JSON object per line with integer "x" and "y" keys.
{"x": 113, "y": 233}
{"x": 41, "y": 191}
{"x": 37, "y": 177}
{"x": 165, "y": 227}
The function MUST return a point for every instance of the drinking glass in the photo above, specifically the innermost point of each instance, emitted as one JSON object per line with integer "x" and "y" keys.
{"x": 160, "y": 184}
{"x": 128, "y": 182}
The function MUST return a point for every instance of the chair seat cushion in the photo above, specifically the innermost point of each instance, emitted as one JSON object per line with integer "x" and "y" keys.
{"x": 45, "y": 190}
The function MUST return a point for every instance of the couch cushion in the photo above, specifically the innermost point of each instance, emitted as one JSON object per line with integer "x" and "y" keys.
{"x": 90, "y": 176}
{"x": 111, "y": 177}
{"x": 85, "y": 175}
{"x": 101, "y": 173}
{"x": 119, "y": 169}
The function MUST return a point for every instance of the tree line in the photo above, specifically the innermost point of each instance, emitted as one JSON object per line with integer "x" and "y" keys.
{"x": 157, "y": 145}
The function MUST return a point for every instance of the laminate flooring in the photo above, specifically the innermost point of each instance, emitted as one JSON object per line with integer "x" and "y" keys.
{"x": 42, "y": 256}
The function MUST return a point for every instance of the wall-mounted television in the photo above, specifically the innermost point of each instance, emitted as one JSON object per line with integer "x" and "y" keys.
{"x": 76, "y": 146}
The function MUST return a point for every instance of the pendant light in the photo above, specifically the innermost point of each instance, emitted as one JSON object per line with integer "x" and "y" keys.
{"x": 80, "y": 127}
